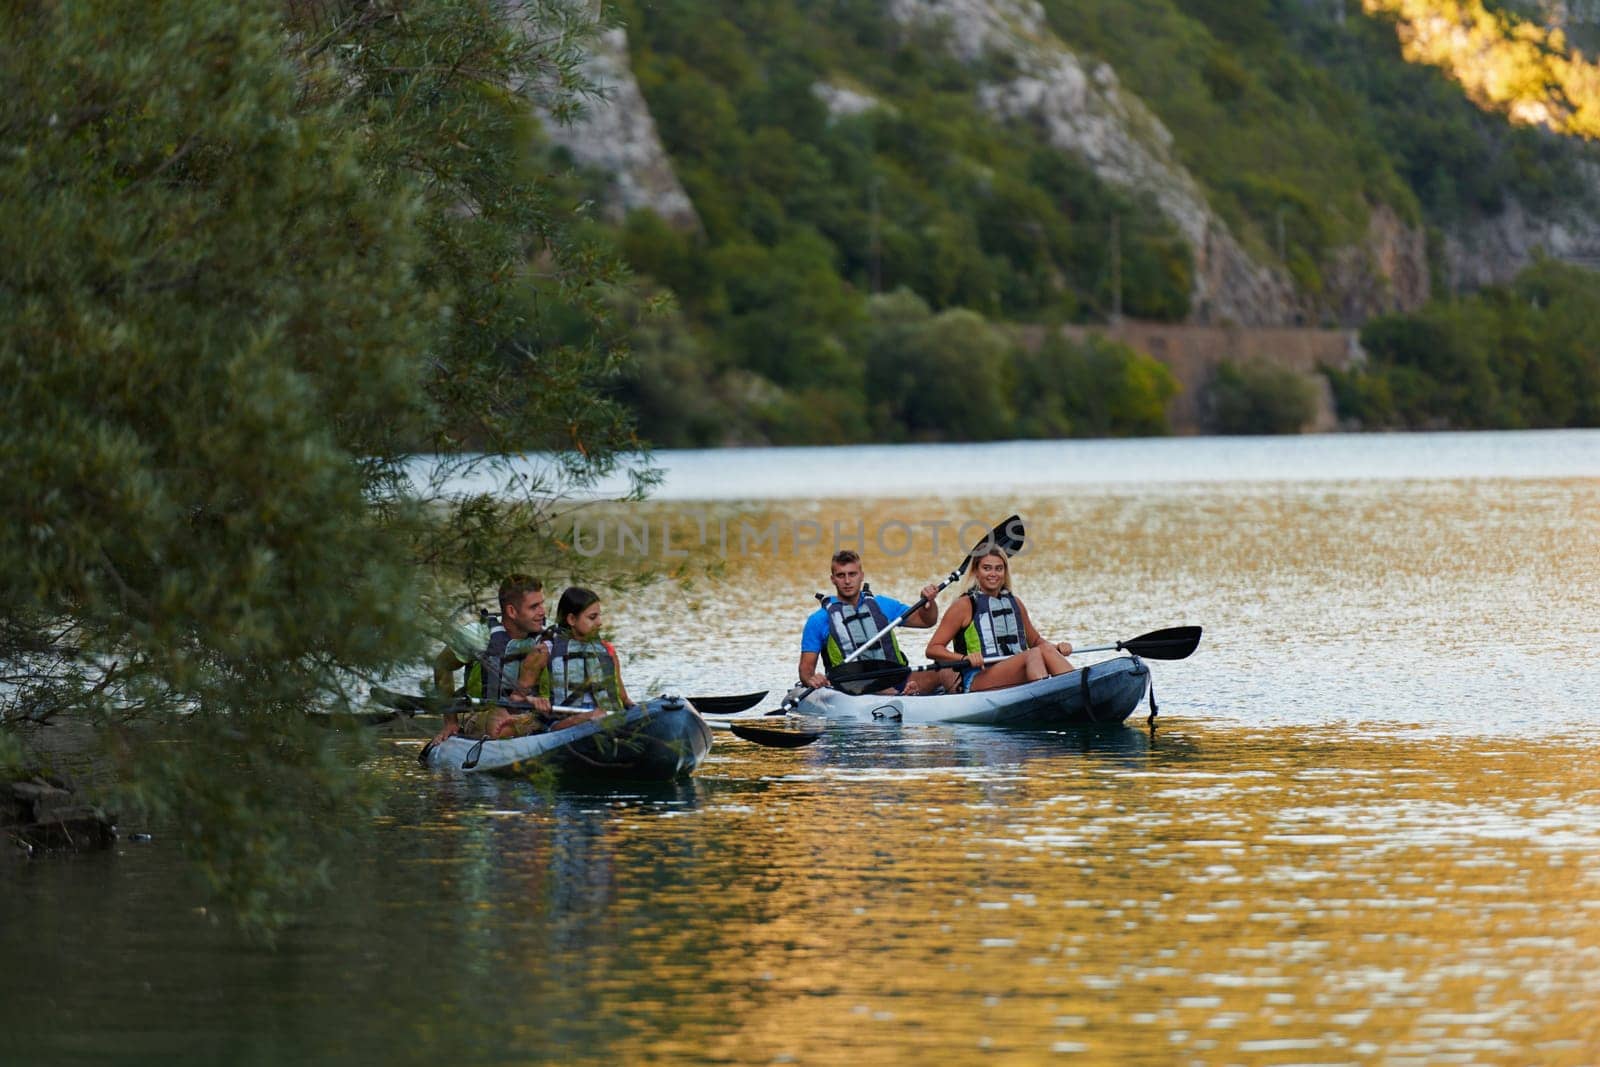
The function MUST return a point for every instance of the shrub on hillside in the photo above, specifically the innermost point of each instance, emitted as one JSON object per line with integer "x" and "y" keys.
{"x": 941, "y": 377}
{"x": 1093, "y": 388}
{"x": 1523, "y": 355}
{"x": 1259, "y": 398}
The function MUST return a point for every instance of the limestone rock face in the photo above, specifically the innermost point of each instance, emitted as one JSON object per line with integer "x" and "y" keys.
{"x": 617, "y": 136}
{"x": 1079, "y": 107}
{"x": 1385, "y": 273}
{"x": 843, "y": 102}
{"x": 1492, "y": 251}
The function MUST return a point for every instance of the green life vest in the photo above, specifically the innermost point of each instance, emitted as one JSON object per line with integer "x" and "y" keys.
{"x": 995, "y": 629}
{"x": 582, "y": 674}
{"x": 851, "y": 626}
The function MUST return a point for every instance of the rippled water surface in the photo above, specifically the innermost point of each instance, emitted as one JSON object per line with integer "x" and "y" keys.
{"x": 1366, "y": 828}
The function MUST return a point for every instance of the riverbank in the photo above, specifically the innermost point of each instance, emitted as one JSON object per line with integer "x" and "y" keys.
{"x": 46, "y": 813}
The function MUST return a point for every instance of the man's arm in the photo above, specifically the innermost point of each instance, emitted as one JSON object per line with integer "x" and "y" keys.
{"x": 527, "y": 688}
{"x": 812, "y": 640}
{"x": 451, "y": 727}
{"x": 928, "y": 614}
{"x": 445, "y": 665}
{"x": 809, "y": 675}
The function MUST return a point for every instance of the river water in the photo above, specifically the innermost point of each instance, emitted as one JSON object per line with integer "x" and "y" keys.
{"x": 1365, "y": 828}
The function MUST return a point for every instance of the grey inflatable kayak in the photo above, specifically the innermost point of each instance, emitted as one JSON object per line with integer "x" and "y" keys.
{"x": 658, "y": 740}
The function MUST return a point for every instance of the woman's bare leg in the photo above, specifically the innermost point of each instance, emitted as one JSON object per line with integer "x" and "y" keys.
{"x": 574, "y": 720}
{"x": 1014, "y": 670}
{"x": 1054, "y": 661}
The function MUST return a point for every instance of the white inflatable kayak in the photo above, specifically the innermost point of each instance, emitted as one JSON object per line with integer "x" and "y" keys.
{"x": 1101, "y": 694}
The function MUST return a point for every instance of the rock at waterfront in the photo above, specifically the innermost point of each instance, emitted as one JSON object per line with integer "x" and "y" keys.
{"x": 45, "y": 813}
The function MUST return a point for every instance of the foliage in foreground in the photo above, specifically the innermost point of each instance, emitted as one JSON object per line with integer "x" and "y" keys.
{"x": 255, "y": 256}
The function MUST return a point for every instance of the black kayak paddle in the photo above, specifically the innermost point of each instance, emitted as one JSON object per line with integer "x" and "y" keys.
{"x": 418, "y": 704}
{"x": 1175, "y": 642}
{"x": 773, "y": 733}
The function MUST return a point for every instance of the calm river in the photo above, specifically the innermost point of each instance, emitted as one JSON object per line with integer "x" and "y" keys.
{"x": 1366, "y": 828}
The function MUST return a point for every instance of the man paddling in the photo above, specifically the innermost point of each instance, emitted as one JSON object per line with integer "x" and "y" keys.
{"x": 492, "y": 658}
{"x": 853, "y": 617}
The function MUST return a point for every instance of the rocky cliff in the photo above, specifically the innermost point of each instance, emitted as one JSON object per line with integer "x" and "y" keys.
{"x": 1492, "y": 250}
{"x": 1078, "y": 106}
{"x": 615, "y": 135}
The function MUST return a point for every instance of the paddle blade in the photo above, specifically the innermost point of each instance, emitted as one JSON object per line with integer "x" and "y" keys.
{"x": 1008, "y": 537}
{"x": 1175, "y": 642}
{"x": 775, "y": 736}
{"x": 867, "y": 676}
{"x": 727, "y": 705}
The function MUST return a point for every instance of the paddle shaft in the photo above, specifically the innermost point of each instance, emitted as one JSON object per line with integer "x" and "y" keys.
{"x": 560, "y": 709}
{"x": 753, "y": 731}
{"x": 1173, "y": 642}
{"x": 757, "y": 730}
{"x": 416, "y": 703}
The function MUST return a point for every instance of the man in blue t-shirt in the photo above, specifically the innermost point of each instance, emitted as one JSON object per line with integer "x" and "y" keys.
{"x": 852, "y": 617}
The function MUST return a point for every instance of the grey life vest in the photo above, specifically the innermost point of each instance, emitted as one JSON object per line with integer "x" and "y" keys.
{"x": 852, "y": 625}
{"x": 995, "y": 629}
{"x": 493, "y": 675}
{"x": 582, "y": 674}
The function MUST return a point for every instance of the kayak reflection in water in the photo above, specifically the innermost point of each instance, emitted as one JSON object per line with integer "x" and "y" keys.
{"x": 995, "y": 642}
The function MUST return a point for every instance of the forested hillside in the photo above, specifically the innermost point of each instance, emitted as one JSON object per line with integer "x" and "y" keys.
{"x": 870, "y": 222}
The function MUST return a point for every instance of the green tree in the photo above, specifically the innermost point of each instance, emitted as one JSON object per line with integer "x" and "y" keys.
{"x": 1256, "y": 397}
{"x": 1522, "y": 355}
{"x": 255, "y": 256}
{"x": 937, "y": 377}
{"x": 1092, "y": 388}
{"x": 1564, "y": 380}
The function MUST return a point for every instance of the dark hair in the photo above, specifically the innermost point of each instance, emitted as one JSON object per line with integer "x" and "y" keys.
{"x": 846, "y": 555}
{"x": 517, "y": 586}
{"x": 575, "y": 601}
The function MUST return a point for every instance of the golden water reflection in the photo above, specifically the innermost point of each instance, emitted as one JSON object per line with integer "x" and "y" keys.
{"x": 1365, "y": 830}
{"x": 1254, "y": 898}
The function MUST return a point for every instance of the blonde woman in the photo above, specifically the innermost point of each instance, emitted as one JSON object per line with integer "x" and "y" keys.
{"x": 995, "y": 644}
